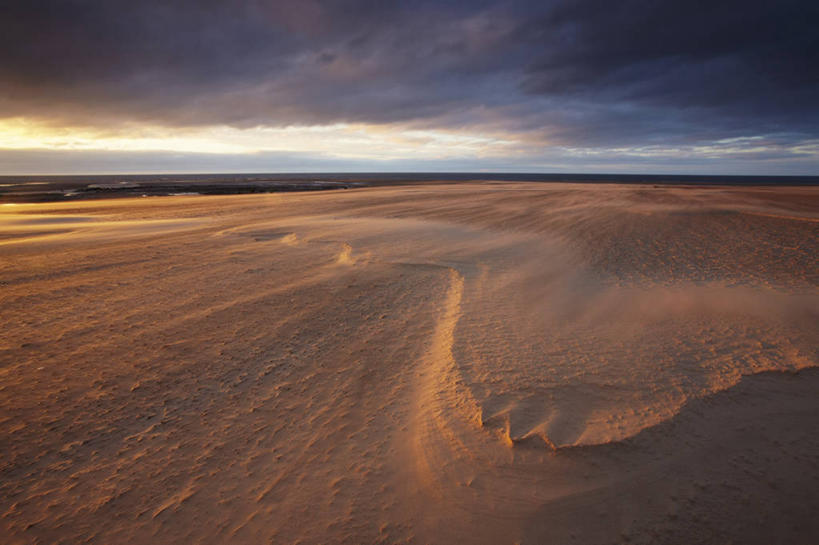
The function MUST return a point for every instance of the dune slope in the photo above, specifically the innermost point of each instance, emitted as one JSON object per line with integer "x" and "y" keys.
{"x": 477, "y": 363}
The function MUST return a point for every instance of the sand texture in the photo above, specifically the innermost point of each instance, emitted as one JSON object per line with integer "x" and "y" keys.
{"x": 463, "y": 363}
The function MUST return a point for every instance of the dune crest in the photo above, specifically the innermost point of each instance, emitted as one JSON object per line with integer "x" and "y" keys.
{"x": 476, "y": 362}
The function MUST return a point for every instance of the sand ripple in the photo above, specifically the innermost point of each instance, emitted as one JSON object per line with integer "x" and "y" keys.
{"x": 485, "y": 363}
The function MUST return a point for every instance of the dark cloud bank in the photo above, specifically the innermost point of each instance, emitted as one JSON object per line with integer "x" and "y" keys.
{"x": 584, "y": 73}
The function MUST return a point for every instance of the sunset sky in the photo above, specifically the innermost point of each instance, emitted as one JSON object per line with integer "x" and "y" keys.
{"x": 727, "y": 87}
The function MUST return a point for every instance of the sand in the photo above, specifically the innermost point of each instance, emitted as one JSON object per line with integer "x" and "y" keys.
{"x": 464, "y": 363}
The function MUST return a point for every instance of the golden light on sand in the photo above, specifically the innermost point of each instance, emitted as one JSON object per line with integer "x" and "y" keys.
{"x": 512, "y": 362}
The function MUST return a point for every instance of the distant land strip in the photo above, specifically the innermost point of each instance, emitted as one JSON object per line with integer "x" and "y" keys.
{"x": 80, "y": 187}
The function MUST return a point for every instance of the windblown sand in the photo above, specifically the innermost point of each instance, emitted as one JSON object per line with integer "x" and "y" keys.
{"x": 470, "y": 363}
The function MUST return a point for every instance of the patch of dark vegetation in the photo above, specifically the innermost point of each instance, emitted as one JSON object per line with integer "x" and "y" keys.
{"x": 66, "y": 191}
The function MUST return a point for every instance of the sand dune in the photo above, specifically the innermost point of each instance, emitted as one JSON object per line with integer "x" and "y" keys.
{"x": 476, "y": 363}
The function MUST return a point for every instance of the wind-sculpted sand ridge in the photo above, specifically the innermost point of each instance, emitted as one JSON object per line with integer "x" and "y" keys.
{"x": 596, "y": 380}
{"x": 480, "y": 363}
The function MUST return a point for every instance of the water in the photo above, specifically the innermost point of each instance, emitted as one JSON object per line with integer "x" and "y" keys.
{"x": 57, "y": 188}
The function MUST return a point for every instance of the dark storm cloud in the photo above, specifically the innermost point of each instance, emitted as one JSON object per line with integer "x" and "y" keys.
{"x": 239, "y": 62}
{"x": 738, "y": 65}
{"x": 588, "y": 72}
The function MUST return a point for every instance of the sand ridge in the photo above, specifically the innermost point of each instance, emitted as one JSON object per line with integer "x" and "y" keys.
{"x": 487, "y": 363}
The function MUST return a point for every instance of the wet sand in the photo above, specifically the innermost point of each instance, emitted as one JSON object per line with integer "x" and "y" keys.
{"x": 473, "y": 363}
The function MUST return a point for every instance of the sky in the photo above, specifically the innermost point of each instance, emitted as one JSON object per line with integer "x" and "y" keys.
{"x": 638, "y": 86}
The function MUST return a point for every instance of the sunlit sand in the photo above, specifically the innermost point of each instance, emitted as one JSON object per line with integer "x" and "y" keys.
{"x": 465, "y": 363}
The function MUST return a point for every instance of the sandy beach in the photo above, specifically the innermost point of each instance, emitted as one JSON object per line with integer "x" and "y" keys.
{"x": 456, "y": 363}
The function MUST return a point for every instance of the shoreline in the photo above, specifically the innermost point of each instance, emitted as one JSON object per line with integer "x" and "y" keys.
{"x": 67, "y": 188}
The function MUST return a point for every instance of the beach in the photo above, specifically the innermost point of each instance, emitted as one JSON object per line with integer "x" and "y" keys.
{"x": 471, "y": 362}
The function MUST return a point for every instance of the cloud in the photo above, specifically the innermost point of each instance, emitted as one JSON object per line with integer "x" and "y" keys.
{"x": 729, "y": 157}
{"x": 591, "y": 74}
{"x": 733, "y": 66}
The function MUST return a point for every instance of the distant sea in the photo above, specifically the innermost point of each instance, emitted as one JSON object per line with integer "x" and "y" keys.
{"x": 72, "y": 187}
